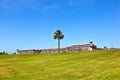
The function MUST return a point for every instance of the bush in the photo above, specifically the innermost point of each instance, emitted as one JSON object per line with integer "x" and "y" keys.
{"x": 3, "y": 53}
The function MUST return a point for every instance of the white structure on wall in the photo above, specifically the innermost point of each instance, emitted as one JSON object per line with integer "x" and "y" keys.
{"x": 90, "y": 49}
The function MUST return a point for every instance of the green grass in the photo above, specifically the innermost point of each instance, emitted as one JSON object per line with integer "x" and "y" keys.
{"x": 96, "y": 65}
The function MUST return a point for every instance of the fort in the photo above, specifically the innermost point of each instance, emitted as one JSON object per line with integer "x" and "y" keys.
{"x": 75, "y": 48}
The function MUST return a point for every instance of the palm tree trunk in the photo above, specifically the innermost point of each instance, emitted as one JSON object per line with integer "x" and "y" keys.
{"x": 58, "y": 45}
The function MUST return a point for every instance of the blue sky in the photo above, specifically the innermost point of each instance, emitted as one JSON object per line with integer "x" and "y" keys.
{"x": 30, "y": 24}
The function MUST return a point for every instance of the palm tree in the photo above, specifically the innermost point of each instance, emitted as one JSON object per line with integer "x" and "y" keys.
{"x": 58, "y": 35}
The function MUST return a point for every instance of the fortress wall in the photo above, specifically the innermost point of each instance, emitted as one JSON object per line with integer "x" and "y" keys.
{"x": 25, "y": 51}
{"x": 74, "y": 48}
{"x": 62, "y": 50}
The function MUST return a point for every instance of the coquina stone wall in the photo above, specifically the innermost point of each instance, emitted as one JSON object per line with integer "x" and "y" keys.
{"x": 74, "y": 48}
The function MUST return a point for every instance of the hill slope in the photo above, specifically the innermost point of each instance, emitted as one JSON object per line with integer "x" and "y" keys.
{"x": 96, "y": 65}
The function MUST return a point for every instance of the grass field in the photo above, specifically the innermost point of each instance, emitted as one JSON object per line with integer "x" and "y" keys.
{"x": 96, "y": 65}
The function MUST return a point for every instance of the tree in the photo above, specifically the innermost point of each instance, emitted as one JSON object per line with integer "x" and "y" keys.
{"x": 105, "y": 47}
{"x": 58, "y": 35}
{"x": 3, "y": 53}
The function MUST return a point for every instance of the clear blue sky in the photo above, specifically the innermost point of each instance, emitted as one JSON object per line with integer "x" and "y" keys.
{"x": 30, "y": 24}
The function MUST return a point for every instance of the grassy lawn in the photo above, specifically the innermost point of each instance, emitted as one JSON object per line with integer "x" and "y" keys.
{"x": 96, "y": 65}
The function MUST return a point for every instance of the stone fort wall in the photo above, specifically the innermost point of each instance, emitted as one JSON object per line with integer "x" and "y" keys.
{"x": 74, "y": 48}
